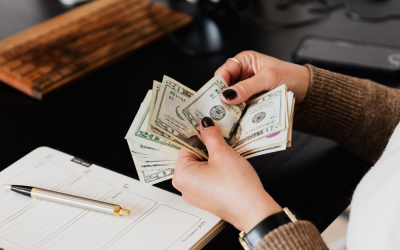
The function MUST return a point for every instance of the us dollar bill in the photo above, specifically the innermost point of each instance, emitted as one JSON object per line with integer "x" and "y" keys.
{"x": 207, "y": 102}
{"x": 265, "y": 150}
{"x": 150, "y": 161}
{"x": 264, "y": 116}
{"x": 151, "y": 177}
{"x": 137, "y": 132}
{"x": 145, "y": 165}
{"x": 290, "y": 129}
{"x": 166, "y": 119}
{"x": 148, "y": 152}
{"x": 155, "y": 131}
{"x": 278, "y": 137}
{"x": 155, "y": 166}
{"x": 154, "y": 96}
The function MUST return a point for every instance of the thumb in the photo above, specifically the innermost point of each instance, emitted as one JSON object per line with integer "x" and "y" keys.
{"x": 186, "y": 157}
{"x": 211, "y": 136}
{"x": 243, "y": 90}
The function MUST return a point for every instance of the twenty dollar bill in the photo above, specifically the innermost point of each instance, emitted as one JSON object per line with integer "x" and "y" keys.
{"x": 207, "y": 102}
{"x": 264, "y": 116}
{"x": 166, "y": 118}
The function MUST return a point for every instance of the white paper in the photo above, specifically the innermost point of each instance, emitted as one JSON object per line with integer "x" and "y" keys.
{"x": 158, "y": 220}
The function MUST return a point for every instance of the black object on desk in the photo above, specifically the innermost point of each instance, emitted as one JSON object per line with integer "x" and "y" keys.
{"x": 336, "y": 54}
{"x": 373, "y": 10}
{"x": 315, "y": 177}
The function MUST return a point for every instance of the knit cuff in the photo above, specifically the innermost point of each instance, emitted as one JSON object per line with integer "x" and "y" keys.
{"x": 296, "y": 235}
{"x": 358, "y": 114}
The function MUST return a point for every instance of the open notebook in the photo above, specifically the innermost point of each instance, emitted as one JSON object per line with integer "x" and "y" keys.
{"x": 158, "y": 220}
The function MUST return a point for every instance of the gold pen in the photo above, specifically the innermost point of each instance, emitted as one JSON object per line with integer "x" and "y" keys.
{"x": 69, "y": 200}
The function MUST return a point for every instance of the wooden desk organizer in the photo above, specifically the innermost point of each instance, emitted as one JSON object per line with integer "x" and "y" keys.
{"x": 47, "y": 56}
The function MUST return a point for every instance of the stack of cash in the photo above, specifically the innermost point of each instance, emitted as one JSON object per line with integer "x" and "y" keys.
{"x": 169, "y": 120}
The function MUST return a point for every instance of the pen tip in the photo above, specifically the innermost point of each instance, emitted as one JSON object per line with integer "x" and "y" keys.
{"x": 8, "y": 186}
{"x": 124, "y": 212}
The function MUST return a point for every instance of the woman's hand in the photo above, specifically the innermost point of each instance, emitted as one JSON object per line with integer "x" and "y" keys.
{"x": 261, "y": 73}
{"x": 227, "y": 185}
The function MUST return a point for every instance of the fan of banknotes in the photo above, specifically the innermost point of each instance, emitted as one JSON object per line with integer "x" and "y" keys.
{"x": 169, "y": 120}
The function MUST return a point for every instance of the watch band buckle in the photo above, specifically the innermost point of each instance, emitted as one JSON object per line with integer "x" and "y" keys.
{"x": 242, "y": 242}
{"x": 291, "y": 216}
{"x": 242, "y": 234}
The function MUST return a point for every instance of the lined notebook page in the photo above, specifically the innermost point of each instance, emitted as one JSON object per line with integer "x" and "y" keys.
{"x": 158, "y": 220}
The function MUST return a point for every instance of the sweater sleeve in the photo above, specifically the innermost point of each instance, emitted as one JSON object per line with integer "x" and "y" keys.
{"x": 296, "y": 235}
{"x": 359, "y": 114}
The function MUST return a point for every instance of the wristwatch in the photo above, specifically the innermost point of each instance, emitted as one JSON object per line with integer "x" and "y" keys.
{"x": 250, "y": 240}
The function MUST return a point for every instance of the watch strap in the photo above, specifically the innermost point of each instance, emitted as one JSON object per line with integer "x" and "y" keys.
{"x": 267, "y": 225}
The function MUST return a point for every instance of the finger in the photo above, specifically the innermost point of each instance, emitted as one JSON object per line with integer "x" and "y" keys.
{"x": 211, "y": 136}
{"x": 242, "y": 91}
{"x": 231, "y": 70}
{"x": 185, "y": 157}
{"x": 181, "y": 176}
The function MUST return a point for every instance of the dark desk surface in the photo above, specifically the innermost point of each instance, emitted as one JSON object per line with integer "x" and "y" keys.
{"x": 315, "y": 177}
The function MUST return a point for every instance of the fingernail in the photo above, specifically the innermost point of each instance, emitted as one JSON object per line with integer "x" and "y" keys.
{"x": 207, "y": 122}
{"x": 229, "y": 94}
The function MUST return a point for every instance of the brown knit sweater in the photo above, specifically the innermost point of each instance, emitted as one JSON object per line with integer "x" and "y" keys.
{"x": 358, "y": 114}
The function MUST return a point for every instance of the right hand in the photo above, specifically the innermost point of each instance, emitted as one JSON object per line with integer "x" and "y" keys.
{"x": 262, "y": 73}
{"x": 225, "y": 185}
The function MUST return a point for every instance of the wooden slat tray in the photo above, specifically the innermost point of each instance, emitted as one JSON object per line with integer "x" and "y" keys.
{"x": 49, "y": 55}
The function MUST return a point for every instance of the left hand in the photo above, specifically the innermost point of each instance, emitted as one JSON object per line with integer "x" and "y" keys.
{"x": 227, "y": 185}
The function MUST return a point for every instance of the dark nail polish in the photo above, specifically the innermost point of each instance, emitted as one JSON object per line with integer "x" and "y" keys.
{"x": 207, "y": 122}
{"x": 229, "y": 94}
